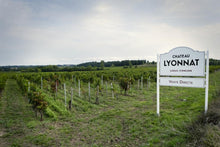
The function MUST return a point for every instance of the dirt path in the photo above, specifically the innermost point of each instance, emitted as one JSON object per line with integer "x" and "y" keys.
{"x": 14, "y": 115}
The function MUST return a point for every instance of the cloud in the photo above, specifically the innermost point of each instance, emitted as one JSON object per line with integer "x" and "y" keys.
{"x": 42, "y": 32}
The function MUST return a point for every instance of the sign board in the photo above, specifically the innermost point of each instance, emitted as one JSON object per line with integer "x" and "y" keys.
{"x": 182, "y": 61}
{"x": 182, "y": 82}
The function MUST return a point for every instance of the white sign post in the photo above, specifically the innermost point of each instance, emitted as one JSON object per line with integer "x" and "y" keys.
{"x": 183, "y": 61}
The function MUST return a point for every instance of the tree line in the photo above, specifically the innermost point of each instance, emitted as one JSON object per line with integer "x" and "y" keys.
{"x": 88, "y": 66}
{"x": 114, "y": 63}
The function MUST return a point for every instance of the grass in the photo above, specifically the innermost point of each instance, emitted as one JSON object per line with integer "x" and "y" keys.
{"x": 17, "y": 118}
{"x": 205, "y": 131}
{"x": 129, "y": 120}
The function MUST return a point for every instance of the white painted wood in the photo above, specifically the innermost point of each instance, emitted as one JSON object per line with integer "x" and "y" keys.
{"x": 158, "y": 86}
{"x": 182, "y": 61}
{"x": 196, "y": 69}
{"x": 207, "y": 82}
{"x": 182, "y": 82}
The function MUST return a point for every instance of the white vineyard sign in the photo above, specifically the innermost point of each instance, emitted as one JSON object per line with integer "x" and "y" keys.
{"x": 185, "y": 63}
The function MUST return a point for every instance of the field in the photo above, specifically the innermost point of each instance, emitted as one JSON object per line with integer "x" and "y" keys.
{"x": 109, "y": 116}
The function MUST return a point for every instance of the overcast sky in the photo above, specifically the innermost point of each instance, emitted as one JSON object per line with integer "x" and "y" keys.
{"x": 35, "y": 32}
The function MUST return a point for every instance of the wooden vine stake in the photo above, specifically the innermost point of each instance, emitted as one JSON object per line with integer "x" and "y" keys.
{"x": 41, "y": 83}
{"x": 64, "y": 86}
{"x": 141, "y": 82}
{"x": 89, "y": 91}
{"x": 112, "y": 90}
{"x": 102, "y": 80}
{"x": 56, "y": 88}
{"x": 70, "y": 102}
{"x": 28, "y": 91}
{"x": 79, "y": 87}
{"x": 127, "y": 88}
{"x": 97, "y": 95}
{"x": 28, "y": 86}
{"x": 106, "y": 84}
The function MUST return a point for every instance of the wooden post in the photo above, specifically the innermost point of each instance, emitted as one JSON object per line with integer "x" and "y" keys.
{"x": 106, "y": 84}
{"x": 112, "y": 90}
{"x": 41, "y": 83}
{"x": 71, "y": 98}
{"x": 141, "y": 82}
{"x": 102, "y": 80}
{"x": 89, "y": 91}
{"x": 64, "y": 86}
{"x": 56, "y": 88}
{"x": 79, "y": 87}
{"x": 97, "y": 95}
{"x": 138, "y": 84}
{"x": 28, "y": 91}
{"x": 28, "y": 86}
{"x": 127, "y": 88}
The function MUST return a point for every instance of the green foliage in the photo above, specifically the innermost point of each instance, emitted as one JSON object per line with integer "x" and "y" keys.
{"x": 214, "y": 68}
{"x": 32, "y": 124}
{"x": 125, "y": 83}
{"x": 102, "y": 64}
{"x": 41, "y": 140}
{"x": 129, "y": 120}
{"x": 130, "y": 64}
{"x": 3, "y": 79}
{"x": 50, "y": 113}
{"x": 214, "y": 62}
{"x": 39, "y": 103}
